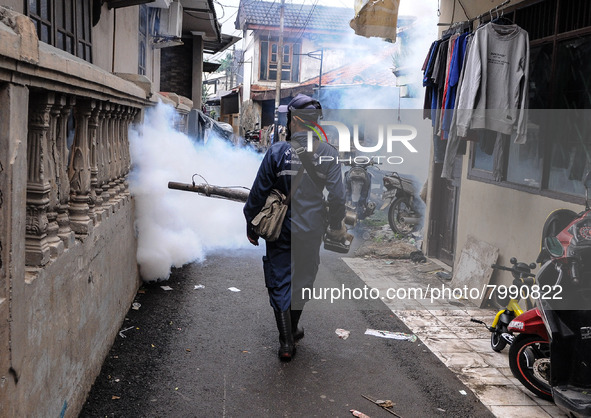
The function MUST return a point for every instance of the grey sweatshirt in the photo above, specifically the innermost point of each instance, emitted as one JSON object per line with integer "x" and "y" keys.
{"x": 493, "y": 94}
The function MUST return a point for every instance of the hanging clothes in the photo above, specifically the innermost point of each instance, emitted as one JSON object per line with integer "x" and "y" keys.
{"x": 457, "y": 62}
{"x": 494, "y": 91}
{"x": 450, "y": 52}
{"x": 427, "y": 81}
{"x": 453, "y": 141}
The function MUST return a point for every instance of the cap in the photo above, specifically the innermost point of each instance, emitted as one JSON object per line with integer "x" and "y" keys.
{"x": 301, "y": 101}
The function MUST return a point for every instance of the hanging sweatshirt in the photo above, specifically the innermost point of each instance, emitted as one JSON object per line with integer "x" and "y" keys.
{"x": 494, "y": 91}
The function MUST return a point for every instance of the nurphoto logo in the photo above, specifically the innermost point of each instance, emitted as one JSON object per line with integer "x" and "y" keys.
{"x": 392, "y": 136}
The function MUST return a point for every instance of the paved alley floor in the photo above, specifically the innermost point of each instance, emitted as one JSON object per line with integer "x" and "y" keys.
{"x": 204, "y": 344}
{"x": 446, "y": 330}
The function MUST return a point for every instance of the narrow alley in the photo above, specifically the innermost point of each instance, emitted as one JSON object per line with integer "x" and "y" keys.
{"x": 201, "y": 349}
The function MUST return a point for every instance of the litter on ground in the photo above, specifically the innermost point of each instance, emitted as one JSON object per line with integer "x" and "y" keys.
{"x": 392, "y": 335}
{"x": 121, "y": 333}
{"x": 233, "y": 289}
{"x": 166, "y": 287}
{"x": 343, "y": 333}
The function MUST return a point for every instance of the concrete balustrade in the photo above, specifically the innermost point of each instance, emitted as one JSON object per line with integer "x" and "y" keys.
{"x": 68, "y": 270}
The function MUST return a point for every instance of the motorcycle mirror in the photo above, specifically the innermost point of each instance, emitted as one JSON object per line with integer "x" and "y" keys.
{"x": 513, "y": 260}
{"x": 587, "y": 183}
{"x": 554, "y": 246}
{"x": 587, "y": 180}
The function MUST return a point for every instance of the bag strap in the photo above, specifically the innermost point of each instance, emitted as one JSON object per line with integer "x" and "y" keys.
{"x": 294, "y": 185}
{"x": 304, "y": 157}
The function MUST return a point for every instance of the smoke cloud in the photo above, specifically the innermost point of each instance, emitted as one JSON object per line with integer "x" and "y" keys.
{"x": 176, "y": 227}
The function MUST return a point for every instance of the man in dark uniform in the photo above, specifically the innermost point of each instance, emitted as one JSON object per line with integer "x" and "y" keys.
{"x": 291, "y": 262}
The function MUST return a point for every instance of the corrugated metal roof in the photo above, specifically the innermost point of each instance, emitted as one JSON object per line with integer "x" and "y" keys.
{"x": 297, "y": 16}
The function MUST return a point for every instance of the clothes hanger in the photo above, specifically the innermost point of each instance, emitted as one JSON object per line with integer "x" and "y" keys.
{"x": 502, "y": 20}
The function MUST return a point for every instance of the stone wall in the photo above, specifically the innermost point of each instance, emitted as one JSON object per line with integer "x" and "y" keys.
{"x": 68, "y": 270}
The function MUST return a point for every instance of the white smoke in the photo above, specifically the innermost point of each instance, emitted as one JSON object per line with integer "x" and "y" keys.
{"x": 177, "y": 227}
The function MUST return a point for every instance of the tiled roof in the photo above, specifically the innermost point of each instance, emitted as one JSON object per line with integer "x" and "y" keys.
{"x": 298, "y": 16}
{"x": 373, "y": 70}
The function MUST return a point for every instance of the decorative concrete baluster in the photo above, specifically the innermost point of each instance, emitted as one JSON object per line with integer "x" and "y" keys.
{"x": 100, "y": 165}
{"x": 113, "y": 158}
{"x": 37, "y": 250}
{"x": 79, "y": 171}
{"x": 130, "y": 116}
{"x": 63, "y": 185}
{"x": 53, "y": 176}
{"x": 125, "y": 121}
{"x": 93, "y": 123}
{"x": 119, "y": 153}
{"x": 106, "y": 173}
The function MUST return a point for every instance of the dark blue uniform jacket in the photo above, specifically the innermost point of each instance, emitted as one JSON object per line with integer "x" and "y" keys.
{"x": 307, "y": 213}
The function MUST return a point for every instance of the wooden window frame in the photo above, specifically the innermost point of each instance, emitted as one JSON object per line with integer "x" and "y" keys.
{"x": 80, "y": 31}
{"x": 542, "y": 189}
{"x": 268, "y": 60}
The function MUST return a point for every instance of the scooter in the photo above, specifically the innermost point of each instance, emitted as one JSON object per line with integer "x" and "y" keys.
{"x": 522, "y": 277}
{"x": 253, "y": 135}
{"x": 405, "y": 206}
{"x": 552, "y": 354}
{"x": 252, "y": 139}
{"x": 358, "y": 187}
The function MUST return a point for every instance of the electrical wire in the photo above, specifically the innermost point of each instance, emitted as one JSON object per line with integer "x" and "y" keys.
{"x": 225, "y": 5}
{"x": 268, "y": 11}
{"x": 464, "y": 9}
{"x": 190, "y": 13}
{"x": 307, "y": 21}
{"x": 297, "y": 19}
{"x": 223, "y": 10}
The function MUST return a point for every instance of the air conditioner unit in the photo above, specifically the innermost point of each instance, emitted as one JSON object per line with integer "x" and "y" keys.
{"x": 171, "y": 20}
{"x": 161, "y": 4}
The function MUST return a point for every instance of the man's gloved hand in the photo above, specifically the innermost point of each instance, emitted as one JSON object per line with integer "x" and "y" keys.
{"x": 252, "y": 236}
{"x": 338, "y": 235}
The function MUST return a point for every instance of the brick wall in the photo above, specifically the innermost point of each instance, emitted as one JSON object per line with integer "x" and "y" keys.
{"x": 177, "y": 68}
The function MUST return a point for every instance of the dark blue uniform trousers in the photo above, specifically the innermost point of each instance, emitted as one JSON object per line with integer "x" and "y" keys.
{"x": 290, "y": 268}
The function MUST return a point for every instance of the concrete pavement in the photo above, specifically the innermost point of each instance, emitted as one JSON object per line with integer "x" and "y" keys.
{"x": 446, "y": 330}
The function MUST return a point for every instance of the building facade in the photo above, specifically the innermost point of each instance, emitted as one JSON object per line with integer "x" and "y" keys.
{"x": 314, "y": 38}
{"x": 74, "y": 75}
{"x": 503, "y": 196}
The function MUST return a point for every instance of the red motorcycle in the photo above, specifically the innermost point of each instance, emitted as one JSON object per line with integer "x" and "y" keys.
{"x": 551, "y": 356}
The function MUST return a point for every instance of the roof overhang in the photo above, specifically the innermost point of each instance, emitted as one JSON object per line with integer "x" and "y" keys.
{"x": 115, "y": 4}
{"x": 200, "y": 16}
{"x": 210, "y": 67}
{"x": 261, "y": 95}
{"x": 213, "y": 46}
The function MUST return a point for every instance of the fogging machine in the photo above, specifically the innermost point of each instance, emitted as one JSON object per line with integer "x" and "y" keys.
{"x": 239, "y": 195}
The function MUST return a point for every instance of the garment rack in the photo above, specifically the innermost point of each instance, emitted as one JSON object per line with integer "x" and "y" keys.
{"x": 479, "y": 17}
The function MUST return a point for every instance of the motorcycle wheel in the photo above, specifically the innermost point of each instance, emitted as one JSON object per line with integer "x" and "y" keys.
{"x": 397, "y": 211}
{"x": 529, "y": 359}
{"x": 497, "y": 342}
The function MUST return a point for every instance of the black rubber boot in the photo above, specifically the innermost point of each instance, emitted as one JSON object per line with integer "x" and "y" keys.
{"x": 286, "y": 345}
{"x": 297, "y": 331}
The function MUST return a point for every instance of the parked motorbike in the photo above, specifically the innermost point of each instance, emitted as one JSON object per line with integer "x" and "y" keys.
{"x": 405, "y": 206}
{"x": 552, "y": 354}
{"x": 253, "y": 135}
{"x": 522, "y": 277}
{"x": 358, "y": 188}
